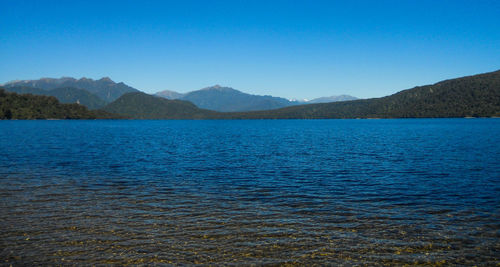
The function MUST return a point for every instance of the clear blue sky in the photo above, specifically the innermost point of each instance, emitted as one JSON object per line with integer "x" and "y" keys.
{"x": 294, "y": 49}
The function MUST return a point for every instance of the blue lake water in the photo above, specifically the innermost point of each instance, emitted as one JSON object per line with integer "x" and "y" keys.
{"x": 250, "y": 192}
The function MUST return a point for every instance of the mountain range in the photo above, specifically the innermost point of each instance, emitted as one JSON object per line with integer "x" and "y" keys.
{"x": 227, "y": 99}
{"x": 471, "y": 96}
{"x": 95, "y": 94}
{"x": 104, "y": 88}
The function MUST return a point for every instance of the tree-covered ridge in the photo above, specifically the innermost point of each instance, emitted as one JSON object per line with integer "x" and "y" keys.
{"x": 472, "y": 96}
{"x": 143, "y": 106}
{"x": 28, "y": 106}
{"x": 66, "y": 95}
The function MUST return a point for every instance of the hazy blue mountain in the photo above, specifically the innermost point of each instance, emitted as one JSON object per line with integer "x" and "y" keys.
{"x": 329, "y": 99}
{"x": 65, "y": 95}
{"x": 226, "y": 99}
{"x": 43, "y": 83}
{"x": 477, "y": 96}
{"x": 104, "y": 88}
{"x": 169, "y": 94}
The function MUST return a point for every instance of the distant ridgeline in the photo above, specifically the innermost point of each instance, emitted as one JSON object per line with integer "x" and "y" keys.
{"x": 93, "y": 94}
{"x": 28, "y": 107}
{"x": 226, "y": 99}
{"x": 472, "y": 96}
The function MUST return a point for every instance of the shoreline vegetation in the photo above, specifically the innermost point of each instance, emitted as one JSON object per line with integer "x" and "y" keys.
{"x": 34, "y": 107}
{"x": 467, "y": 97}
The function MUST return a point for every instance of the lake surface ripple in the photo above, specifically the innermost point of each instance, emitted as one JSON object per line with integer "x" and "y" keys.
{"x": 321, "y": 192}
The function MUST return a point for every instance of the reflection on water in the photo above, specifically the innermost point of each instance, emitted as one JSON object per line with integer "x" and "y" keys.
{"x": 250, "y": 192}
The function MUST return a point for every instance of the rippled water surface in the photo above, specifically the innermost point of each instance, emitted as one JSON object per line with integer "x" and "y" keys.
{"x": 250, "y": 192}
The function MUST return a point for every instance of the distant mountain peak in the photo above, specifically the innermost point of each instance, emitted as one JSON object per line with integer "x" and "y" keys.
{"x": 66, "y": 78}
{"x": 169, "y": 94}
{"x": 104, "y": 88}
{"x": 220, "y": 88}
{"x": 217, "y": 86}
{"x": 85, "y": 79}
{"x": 16, "y": 81}
{"x": 106, "y": 79}
{"x": 335, "y": 98}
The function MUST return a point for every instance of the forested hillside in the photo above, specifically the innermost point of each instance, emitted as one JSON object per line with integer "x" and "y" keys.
{"x": 67, "y": 95}
{"x": 28, "y": 106}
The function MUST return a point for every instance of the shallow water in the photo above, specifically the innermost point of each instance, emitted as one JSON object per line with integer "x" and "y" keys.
{"x": 250, "y": 192}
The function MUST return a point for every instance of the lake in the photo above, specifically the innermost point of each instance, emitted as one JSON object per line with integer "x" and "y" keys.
{"x": 405, "y": 191}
